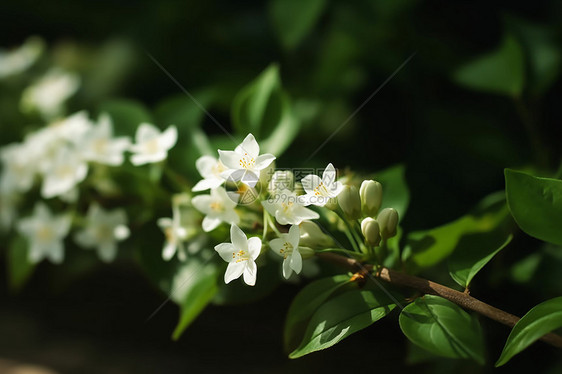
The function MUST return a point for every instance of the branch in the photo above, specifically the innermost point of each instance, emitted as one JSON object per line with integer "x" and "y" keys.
{"x": 428, "y": 287}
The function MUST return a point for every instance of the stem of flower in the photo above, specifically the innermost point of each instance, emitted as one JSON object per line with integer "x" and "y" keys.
{"x": 428, "y": 287}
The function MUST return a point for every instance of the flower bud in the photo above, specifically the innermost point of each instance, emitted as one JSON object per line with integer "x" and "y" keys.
{"x": 371, "y": 231}
{"x": 311, "y": 236}
{"x": 350, "y": 202}
{"x": 371, "y": 197}
{"x": 388, "y": 222}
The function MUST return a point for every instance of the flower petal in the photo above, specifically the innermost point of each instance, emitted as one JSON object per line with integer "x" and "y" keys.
{"x": 209, "y": 224}
{"x": 263, "y": 161}
{"x": 296, "y": 261}
{"x": 249, "y": 146}
{"x": 225, "y": 250}
{"x": 293, "y": 236}
{"x": 238, "y": 238}
{"x": 205, "y": 165}
{"x": 202, "y": 203}
{"x": 169, "y": 137}
{"x": 206, "y": 184}
{"x": 287, "y": 271}
{"x": 230, "y": 159}
{"x": 233, "y": 271}
{"x": 146, "y": 131}
{"x": 310, "y": 182}
{"x": 169, "y": 250}
{"x": 250, "y": 273}
{"x": 254, "y": 247}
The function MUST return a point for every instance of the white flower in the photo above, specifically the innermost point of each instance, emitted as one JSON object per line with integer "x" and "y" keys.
{"x": 287, "y": 246}
{"x": 98, "y": 144}
{"x": 218, "y": 207}
{"x": 49, "y": 93}
{"x": 20, "y": 59}
{"x": 319, "y": 191}
{"x": 244, "y": 163}
{"x": 67, "y": 170}
{"x": 210, "y": 169}
{"x": 45, "y": 233}
{"x": 287, "y": 209}
{"x": 152, "y": 145}
{"x": 240, "y": 255}
{"x": 175, "y": 235}
{"x": 18, "y": 168}
{"x": 103, "y": 230}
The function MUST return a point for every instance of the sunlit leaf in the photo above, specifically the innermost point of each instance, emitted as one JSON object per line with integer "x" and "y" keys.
{"x": 341, "y": 316}
{"x": 305, "y": 303}
{"x": 501, "y": 71}
{"x": 293, "y": 19}
{"x": 535, "y": 204}
{"x": 540, "y": 320}
{"x": 443, "y": 328}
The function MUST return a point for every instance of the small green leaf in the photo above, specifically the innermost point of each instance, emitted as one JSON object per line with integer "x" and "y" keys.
{"x": 535, "y": 204}
{"x": 305, "y": 304}
{"x": 193, "y": 288}
{"x": 501, "y": 71}
{"x": 19, "y": 267}
{"x": 473, "y": 252}
{"x": 126, "y": 115}
{"x": 341, "y": 316}
{"x": 429, "y": 247}
{"x": 265, "y": 110}
{"x": 443, "y": 328}
{"x": 540, "y": 320}
{"x": 293, "y": 19}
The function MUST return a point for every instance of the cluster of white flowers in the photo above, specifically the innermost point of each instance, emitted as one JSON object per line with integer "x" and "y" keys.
{"x": 244, "y": 165}
{"x": 59, "y": 156}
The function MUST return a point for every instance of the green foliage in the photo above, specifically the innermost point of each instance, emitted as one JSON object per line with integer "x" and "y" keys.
{"x": 501, "y": 72}
{"x": 341, "y": 316}
{"x": 305, "y": 303}
{"x": 473, "y": 253}
{"x": 535, "y": 204}
{"x": 294, "y": 19}
{"x": 193, "y": 287}
{"x": 19, "y": 267}
{"x": 443, "y": 328}
{"x": 487, "y": 226}
{"x": 540, "y": 320}
{"x": 265, "y": 110}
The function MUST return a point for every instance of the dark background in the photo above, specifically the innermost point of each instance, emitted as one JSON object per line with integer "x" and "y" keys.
{"x": 454, "y": 142}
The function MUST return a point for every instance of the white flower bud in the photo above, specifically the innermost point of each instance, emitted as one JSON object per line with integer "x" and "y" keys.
{"x": 350, "y": 202}
{"x": 371, "y": 197}
{"x": 313, "y": 237}
{"x": 371, "y": 231}
{"x": 388, "y": 222}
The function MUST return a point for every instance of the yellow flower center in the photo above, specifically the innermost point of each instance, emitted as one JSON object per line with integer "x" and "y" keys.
{"x": 286, "y": 250}
{"x": 247, "y": 162}
{"x": 240, "y": 256}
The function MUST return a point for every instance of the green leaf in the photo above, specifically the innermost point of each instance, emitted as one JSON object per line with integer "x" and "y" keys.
{"x": 443, "y": 328}
{"x": 500, "y": 72}
{"x": 524, "y": 270}
{"x": 395, "y": 189}
{"x": 194, "y": 286}
{"x": 19, "y": 267}
{"x": 473, "y": 252}
{"x": 306, "y": 303}
{"x": 126, "y": 115}
{"x": 293, "y": 19}
{"x": 535, "y": 204}
{"x": 265, "y": 110}
{"x": 341, "y": 316}
{"x": 540, "y": 320}
{"x": 429, "y": 247}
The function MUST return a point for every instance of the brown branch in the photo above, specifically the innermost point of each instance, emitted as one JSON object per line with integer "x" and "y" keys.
{"x": 428, "y": 287}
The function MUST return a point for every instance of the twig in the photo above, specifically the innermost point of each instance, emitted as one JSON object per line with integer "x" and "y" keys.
{"x": 428, "y": 287}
